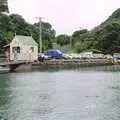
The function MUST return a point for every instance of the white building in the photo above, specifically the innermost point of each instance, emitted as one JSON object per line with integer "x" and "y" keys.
{"x": 23, "y": 48}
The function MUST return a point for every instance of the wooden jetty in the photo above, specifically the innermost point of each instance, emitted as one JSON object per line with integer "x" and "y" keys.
{"x": 12, "y": 65}
{"x": 4, "y": 69}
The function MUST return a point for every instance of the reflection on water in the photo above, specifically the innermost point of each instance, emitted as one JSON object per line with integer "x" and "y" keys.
{"x": 91, "y": 93}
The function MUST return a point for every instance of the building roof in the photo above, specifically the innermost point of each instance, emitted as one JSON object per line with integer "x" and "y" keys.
{"x": 8, "y": 45}
{"x": 26, "y": 40}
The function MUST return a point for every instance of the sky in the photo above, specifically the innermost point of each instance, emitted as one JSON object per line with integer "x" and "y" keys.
{"x": 66, "y": 16}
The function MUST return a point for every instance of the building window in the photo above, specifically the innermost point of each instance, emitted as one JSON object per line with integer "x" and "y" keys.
{"x": 32, "y": 49}
{"x": 16, "y": 50}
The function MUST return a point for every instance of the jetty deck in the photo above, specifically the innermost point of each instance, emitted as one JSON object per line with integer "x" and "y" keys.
{"x": 11, "y": 63}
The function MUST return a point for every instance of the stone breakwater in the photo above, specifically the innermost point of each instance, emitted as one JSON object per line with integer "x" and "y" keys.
{"x": 71, "y": 63}
{"x": 56, "y": 64}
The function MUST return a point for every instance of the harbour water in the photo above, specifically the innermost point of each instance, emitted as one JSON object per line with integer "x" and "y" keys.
{"x": 91, "y": 93}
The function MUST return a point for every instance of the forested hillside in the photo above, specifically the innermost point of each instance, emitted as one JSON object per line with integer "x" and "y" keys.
{"x": 16, "y": 24}
{"x": 105, "y": 37}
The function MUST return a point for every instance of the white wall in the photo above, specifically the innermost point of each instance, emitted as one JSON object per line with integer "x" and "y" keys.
{"x": 25, "y": 53}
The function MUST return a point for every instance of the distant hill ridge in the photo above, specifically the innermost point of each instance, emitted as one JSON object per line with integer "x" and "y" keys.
{"x": 114, "y": 18}
{"x": 104, "y": 37}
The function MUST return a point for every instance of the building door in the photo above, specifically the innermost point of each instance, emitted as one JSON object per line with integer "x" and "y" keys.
{"x": 16, "y": 52}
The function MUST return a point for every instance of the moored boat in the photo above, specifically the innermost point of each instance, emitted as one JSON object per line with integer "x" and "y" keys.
{"x": 4, "y": 69}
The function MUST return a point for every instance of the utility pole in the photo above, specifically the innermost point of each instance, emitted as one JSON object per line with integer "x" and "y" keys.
{"x": 40, "y": 34}
{"x": 70, "y": 43}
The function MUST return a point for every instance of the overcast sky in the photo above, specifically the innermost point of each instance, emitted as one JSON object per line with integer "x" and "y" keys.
{"x": 65, "y": 16}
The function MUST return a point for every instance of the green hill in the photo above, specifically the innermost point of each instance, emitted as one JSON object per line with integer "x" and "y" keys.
{"x": 105, "y": 37}
{"x": 16, "y": 24}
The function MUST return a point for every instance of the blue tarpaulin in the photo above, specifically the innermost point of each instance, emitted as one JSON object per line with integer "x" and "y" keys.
{"x": 56, "y": 54}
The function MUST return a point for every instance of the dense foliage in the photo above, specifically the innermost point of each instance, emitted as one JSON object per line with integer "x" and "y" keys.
{"x": 105, "y": 37}
{"x": 15, "y": 24}
{"x": 63, "y": 40}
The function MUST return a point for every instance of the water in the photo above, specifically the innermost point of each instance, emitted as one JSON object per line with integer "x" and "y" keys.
{"x": 84, "y": 94}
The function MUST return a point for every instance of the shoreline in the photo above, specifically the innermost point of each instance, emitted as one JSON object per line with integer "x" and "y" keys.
{"x": 64, "y": 64}
{"x": 61, "y": 64}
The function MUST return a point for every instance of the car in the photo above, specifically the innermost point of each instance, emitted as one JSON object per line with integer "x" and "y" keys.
{"x": 42, "y": 57}
{"x": 67, "y": 56}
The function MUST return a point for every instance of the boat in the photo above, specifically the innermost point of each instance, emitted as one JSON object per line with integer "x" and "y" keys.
{"x": 4, "y": 69}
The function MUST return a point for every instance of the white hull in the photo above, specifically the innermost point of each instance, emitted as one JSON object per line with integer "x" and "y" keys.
{"x": 4, "y": 69}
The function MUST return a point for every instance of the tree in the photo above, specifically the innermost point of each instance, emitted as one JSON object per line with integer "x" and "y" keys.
{"x": 79, "y": 32}
{"x": 3, "y": 42}
{"x": 63, "y": 40}
{"x": 48, "y": 34}
{"x": 16, "y": 24}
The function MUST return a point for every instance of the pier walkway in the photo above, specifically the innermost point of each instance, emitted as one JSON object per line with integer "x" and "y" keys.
{"x": 12, "y": 65}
